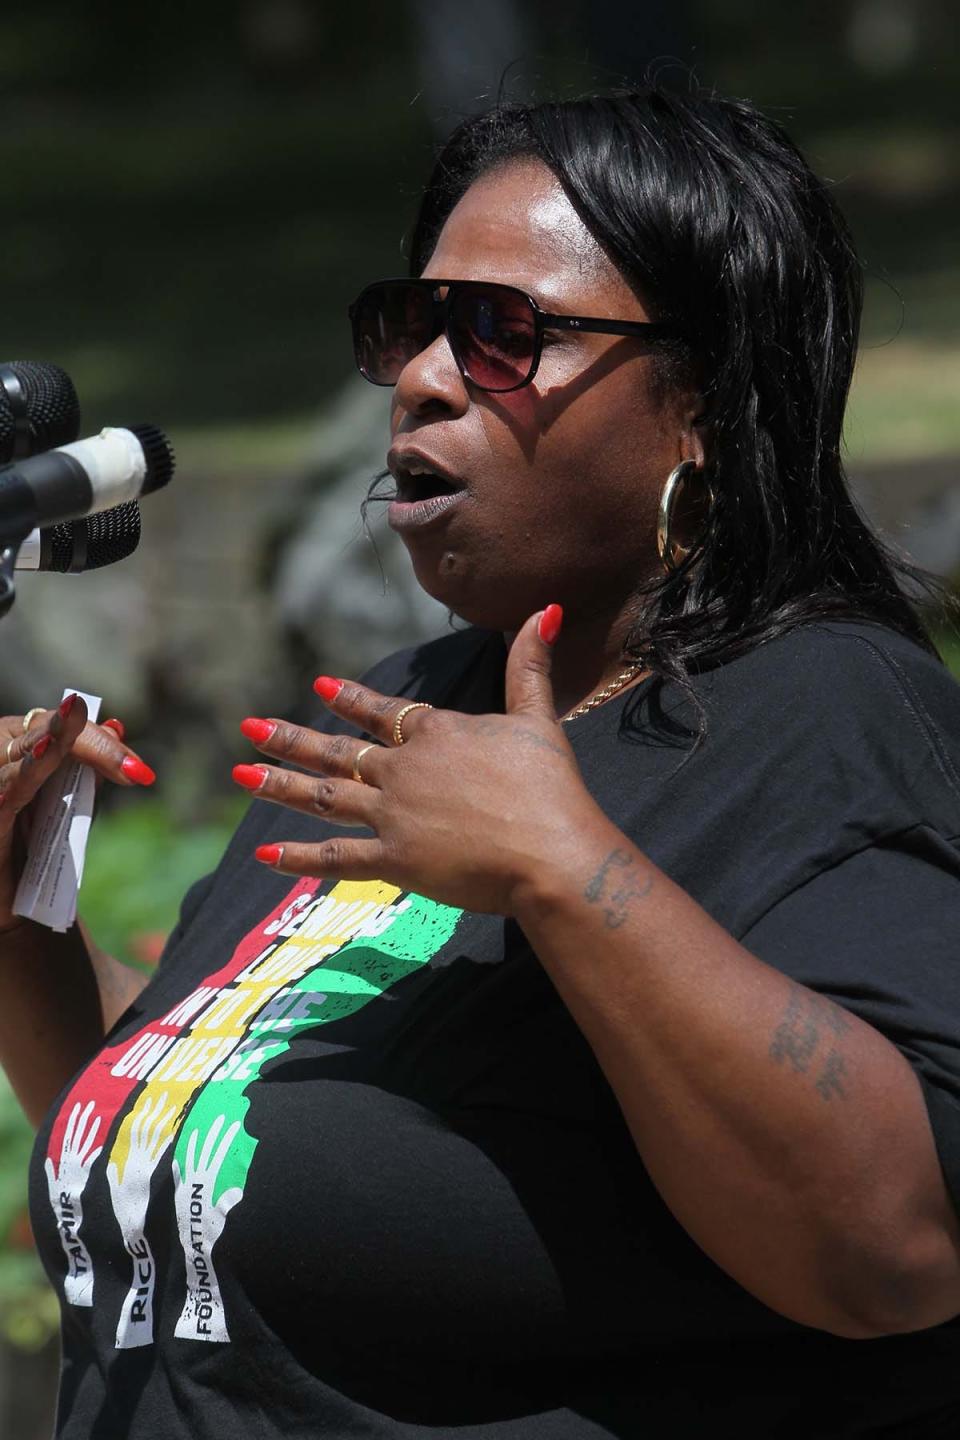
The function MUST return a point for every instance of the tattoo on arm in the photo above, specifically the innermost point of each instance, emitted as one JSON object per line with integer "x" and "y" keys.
{"x": 807, "y": 1017}
{"x": 831, "y": 1076}
{"x": 615, "y": 885}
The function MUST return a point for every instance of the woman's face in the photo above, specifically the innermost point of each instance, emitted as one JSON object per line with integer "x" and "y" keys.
{"x": 560, "y": 479}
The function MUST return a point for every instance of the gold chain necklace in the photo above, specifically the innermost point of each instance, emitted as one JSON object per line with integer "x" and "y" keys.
{"x": 606, "y": 693}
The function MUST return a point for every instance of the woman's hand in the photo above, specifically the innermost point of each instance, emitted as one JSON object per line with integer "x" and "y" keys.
{"x": 29, "y": 757}
{"x": 465, "y": 811}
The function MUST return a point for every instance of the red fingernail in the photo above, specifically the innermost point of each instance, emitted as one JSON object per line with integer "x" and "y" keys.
{"x": 41, "y": 747}
{"x": 117, "y": 726}
{"x": 327, "y": 688}
{"x": 257, "y": 730}
{"x": 67, "y": 705}
{"x": 549, "y": 624}
{"x": 136, "y": 771}
{"x": 250, "y": 776}
{"x": 269, "y": 854}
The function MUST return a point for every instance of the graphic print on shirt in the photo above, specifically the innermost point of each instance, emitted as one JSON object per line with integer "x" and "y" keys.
{"x": 213, "y": 1150}
{"x": 101, "y": 1091}
{"x": 207, "y": 1050}
{"x": 217, "y": 1027}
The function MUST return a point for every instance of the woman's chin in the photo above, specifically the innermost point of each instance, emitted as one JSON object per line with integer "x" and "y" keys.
{"x": 472, "y": 595}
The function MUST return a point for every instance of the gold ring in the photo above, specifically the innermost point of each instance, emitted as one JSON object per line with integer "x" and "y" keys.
{"x": 9, "y": 748}
{"x": 398, "y": 723}
{"x": 356, "y": 762}
{"x": 28, "y": 718}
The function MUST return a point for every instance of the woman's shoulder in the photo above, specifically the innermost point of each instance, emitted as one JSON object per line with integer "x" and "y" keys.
{"x": 853, "y": 647}
{"x": 843, "y": 669}
{"x": 848, "y": 704}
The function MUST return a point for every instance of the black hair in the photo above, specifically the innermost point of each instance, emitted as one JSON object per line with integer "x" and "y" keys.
{"x": 711, "y": 213}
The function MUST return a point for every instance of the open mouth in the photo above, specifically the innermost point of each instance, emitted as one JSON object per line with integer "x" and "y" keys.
{"x": 424, "y": 495}
{"x": 414, "y": 485}
{"x": 423, "y": 486}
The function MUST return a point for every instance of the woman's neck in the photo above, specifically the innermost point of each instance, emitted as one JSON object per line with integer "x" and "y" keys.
{"x": 588, "y": 655}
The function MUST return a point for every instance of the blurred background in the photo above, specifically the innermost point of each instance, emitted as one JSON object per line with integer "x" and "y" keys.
{"x": 194, "y": 194}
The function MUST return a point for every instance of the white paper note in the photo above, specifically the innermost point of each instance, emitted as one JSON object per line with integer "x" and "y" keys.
{"x": 57, "y": 847}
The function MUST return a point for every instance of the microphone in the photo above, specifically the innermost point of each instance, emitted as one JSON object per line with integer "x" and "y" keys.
{"x": 38, "y": 408}
{"x": 88, "y": 475}
{"x": 79, "y": 545}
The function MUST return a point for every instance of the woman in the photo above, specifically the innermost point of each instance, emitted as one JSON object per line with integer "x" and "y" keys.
{"x": 607, "y": 1082}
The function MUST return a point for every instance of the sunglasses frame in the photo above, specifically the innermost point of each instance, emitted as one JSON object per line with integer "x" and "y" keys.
{"x": 542, "y": 320}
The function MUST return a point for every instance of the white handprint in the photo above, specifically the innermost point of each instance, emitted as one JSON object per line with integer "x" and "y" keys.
{"x": 65, "y": 1186}
{"x": 150, "y": 1134}
{"x": 201, "y": 1223}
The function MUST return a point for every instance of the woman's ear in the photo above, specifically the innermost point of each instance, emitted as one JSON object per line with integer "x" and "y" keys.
{"x": 694, "y": 431}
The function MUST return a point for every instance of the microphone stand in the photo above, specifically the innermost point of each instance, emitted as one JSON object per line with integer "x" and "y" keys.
{"x": 15, "y": 526}
{"x": 8, "y": 587}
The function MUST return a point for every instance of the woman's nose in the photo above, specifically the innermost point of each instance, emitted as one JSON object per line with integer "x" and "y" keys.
{"x": 432, "y": 381}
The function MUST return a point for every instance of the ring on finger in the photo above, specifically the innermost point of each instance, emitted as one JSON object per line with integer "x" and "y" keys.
{"x": 9, "y": 748}
{"x": 356, "y": 762}
{"x": 28, "y": 718}
{"x": 398, "y": 723}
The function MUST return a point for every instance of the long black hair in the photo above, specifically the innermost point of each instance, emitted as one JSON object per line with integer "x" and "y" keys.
{"x": 711, "y": 213}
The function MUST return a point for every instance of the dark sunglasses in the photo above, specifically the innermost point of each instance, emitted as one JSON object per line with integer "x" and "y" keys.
{"x": 495, "y": 332}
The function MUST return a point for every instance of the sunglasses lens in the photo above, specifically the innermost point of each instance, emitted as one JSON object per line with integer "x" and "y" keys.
{"x": 391, "y": 324}
{"x": 493, "y": 333}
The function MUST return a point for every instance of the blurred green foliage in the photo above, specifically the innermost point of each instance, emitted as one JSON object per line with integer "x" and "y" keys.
{"x": 28, "y": 1307}
{"x": 187, "y": 237}
{"x": 948, "y": 643}
{"x": 140, "y": 862}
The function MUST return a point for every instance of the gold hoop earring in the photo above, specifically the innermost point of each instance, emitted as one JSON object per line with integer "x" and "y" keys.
{"x": 672, "y": 551}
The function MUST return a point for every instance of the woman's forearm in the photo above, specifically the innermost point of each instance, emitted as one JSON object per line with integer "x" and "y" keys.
{"x": 58, "y": 997}
{"x": 59, "y": 994}
{"x": 789, "y": 1138}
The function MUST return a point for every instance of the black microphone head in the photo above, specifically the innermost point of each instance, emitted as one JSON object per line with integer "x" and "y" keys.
{"x": 39, "y": 409}
{"x": 98, "y": 540}
{"x": 158, "y": 453}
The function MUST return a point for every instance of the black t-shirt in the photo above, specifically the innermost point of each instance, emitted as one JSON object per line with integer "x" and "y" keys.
{"x": 348, "y": 1167}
